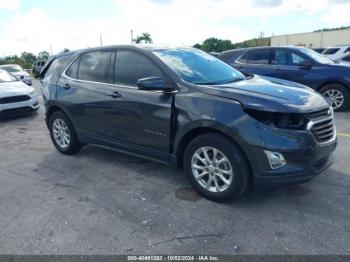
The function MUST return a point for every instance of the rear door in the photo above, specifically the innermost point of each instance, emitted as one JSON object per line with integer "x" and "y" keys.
{"x": 82, "y": 91}
{"x": 255, "y": 61}
{"x": 285, "y": 64}
{"x": 136, "y": 117}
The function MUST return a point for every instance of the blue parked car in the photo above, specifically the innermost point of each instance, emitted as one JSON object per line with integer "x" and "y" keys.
{"x": 299, "y": 65}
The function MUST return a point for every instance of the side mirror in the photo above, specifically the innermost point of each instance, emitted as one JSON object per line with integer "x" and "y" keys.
{"x": 153, "y": 84}
{"x": 306, "y": 64}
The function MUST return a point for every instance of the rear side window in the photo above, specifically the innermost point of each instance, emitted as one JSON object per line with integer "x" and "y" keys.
{"x": 259, "y": 57}
{"x": 94, "y": 66}
{"x": 347, "y": 50}
{"x": 330, "y": 51}
{"x": 286, "y": 58}
{"x": 131, "y": 66}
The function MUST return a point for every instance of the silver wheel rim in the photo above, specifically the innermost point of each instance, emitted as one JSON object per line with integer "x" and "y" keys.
{"x": 212, "y": 169}
{"x": 61, "y": 133}
{"x": 334, "y": 97}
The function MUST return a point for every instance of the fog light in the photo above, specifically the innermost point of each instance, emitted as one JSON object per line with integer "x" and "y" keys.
{"x": 276, "y": 159}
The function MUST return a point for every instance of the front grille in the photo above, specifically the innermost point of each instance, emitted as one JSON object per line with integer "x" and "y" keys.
{"x": 13, "y": 99}
{"x": 317, "y": 114}
{"x": 323, "y": 130}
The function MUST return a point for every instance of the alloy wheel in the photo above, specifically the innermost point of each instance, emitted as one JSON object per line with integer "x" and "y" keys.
{"x": 61, "y": 133}
{"x": 334, "y": 97}
{"x": 212, "y": 169}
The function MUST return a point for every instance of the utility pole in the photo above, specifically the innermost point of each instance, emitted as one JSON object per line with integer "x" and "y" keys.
{"x": 132, "y": 36}
{"x": 101, "y": 39}
{"x": 51, "y": 49}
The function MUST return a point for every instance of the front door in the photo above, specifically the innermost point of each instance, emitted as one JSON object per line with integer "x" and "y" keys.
{"x": 136, "y": 117}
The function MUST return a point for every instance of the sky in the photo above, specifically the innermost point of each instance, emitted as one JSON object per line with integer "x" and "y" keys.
{"x": 52, "y": 25}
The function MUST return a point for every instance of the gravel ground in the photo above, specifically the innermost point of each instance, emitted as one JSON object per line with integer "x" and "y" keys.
{"x": 103, "y": 202}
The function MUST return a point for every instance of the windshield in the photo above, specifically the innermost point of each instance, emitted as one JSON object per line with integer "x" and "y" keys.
{"x": 316, "y": 56}
{"x": 6, "y": 77}
{"x": 12, "y": 69}
{"x": 330, "y": 51}
{"x": 197, "y": 67}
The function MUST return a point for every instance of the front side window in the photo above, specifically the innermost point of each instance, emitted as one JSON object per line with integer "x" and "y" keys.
{"x": 72, "y": 71}
{"x": 259, "y": 57}
{"x": 94, "y": 66}
{"x": 243, "y": 59}
{"x": 131, "y": 66}
{"x": 56, "y": 64}
{"x": 197, "y": 67}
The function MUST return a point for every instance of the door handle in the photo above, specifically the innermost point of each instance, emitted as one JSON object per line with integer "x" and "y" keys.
{"x": 114, "y": 94}
{"x": 66, "y": 86}
{"x": 277, "y": 69}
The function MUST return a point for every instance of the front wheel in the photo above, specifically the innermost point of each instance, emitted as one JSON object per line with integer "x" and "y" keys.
{"x": 216, "y": 167}
{"x": 63, "y": 134}
{"x": 337, "y": 96}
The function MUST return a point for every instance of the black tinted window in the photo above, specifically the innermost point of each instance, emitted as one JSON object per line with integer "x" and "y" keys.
{"x": 347, "y": 50}
{"x": 347, "y": 58}
{"x": 285, "y": 57}
{"x": 94, "y": 66}
{"x": 73, "y": 69}
{"x": 330, "y": 51}
{"x": 258, "y": 57}
{"x": 243, "y": 59}
{"x": 131, "y": 66}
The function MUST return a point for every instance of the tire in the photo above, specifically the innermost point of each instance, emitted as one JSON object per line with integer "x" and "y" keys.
{"x": 340, "y": 90}
{"x": 236, "y": 162}
{"x": 67, "y": 147}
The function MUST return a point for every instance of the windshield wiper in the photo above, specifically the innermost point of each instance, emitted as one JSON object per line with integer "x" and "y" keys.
{"x": 220, "y": 82}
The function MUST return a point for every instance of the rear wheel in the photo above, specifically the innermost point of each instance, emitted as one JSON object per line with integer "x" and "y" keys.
{"x": 63, "y": 134}
{"x": 216, "y": 167}
{"x": 337, "y": 96}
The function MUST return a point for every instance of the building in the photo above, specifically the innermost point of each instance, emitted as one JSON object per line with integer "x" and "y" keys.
{"x": 314, "y": 39}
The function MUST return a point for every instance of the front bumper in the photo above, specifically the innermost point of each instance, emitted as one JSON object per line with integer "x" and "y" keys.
{"x": 295, "y": 173}
{"x": 305, "y": 157}
{"x": 19, "y": 108}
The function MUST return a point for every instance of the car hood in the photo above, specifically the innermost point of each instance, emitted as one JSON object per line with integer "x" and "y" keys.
{"x": 14, "y": 89}
{"x": 269, "y": 94}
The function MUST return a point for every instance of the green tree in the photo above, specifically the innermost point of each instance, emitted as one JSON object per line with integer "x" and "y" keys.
{"x": 28, "y": 59}
{"x": 145, "y": 38}
{"x": 43, "y": 55}
{"x": 219, "y": 45}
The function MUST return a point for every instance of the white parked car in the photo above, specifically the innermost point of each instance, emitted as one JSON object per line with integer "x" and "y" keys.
{"x": 333, "y": 52}
{"x": 15, "y": 96}
{"x": 344, "y": 59}
{"x": 18, "y": 72}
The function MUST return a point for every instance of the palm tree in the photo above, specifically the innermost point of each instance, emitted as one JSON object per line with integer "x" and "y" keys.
{"x": 145, "y": 37}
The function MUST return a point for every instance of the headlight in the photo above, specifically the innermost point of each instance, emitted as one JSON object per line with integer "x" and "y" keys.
{"x": 279, "y": 120}
{"x": 32, "y": 92}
